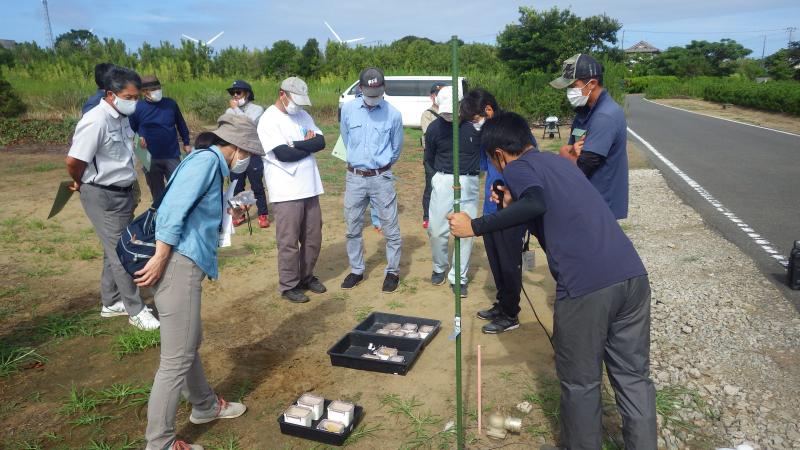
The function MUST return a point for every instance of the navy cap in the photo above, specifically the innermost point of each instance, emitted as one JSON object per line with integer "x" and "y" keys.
{"x": 241, "y": 85}
{"x": 372, "y": 82}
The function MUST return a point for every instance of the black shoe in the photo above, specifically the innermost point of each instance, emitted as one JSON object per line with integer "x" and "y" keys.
{"x": 501, "y": 324}
{"x": 463, "y": 290}
{"x": 490, "y": 314}
{"x": 295, "y": 296}
{"x": 437, "y": 279}
{"x": 390, "y": 283}
{"x": 352, "y": 280}
{"x": 315, "y": 286}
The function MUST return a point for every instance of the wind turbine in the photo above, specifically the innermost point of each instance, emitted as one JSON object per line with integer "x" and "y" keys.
{"x": 201, "y": 43}
{"x": 340, "y": 39}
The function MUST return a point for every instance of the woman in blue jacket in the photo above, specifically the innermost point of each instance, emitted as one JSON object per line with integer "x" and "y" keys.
{"x": 188, "y": 224}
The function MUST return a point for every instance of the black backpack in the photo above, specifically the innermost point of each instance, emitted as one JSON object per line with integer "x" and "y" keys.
{"x": 137, "y": 244}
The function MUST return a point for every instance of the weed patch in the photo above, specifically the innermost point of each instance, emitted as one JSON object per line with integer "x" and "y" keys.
{"x": 12, "y": 358}
{"x": 134, "y": 340}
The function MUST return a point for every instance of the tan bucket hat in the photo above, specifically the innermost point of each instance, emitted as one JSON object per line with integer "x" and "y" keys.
{"x": 239, "y": 131}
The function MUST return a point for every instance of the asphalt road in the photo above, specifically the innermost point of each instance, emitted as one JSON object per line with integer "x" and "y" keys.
{"x": 742, "y": 173}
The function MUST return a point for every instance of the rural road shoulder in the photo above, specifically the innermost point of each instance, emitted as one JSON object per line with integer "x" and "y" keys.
{"x": 743, "y": 180}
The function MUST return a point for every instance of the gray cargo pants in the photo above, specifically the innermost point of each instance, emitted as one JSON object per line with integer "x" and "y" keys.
{"x": 110, "y": 212}
{"x": 177, "y": 297}
{"x": 298, "y": 231}
{"x": 379, "y": 193}
{"x": 610, "y": 325}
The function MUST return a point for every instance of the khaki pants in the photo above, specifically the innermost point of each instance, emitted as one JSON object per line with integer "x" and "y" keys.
{"x": 298, "y": 228}
{"x": 177, "y": 298}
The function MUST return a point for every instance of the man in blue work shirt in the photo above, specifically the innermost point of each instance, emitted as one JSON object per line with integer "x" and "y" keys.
{"x": 372, "y": 131}
{"x": 156, "y": 120}
{"x": 599, "y": 137}
{"x": 100, "y": 71}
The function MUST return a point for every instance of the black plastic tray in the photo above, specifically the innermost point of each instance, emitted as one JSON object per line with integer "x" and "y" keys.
{"x": 377, "y": 320}
{"x": 347, "y": 352}
{"x": 326, "y": 437}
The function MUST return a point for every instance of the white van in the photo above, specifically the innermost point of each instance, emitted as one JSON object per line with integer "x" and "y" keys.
{"x": 409, "y": 94}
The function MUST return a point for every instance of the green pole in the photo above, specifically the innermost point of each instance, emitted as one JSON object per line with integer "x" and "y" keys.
{"x": 457, "y": 250}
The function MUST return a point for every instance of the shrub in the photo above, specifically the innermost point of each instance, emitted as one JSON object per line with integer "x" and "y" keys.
{"x": 10, "y": 103}
{"x": 19, "y": 131}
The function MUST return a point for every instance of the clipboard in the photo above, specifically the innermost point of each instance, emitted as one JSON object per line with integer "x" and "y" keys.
{"x": 63, "y": 195}
{"x": 141, "y": 153}
{"x": 340, "y": 150}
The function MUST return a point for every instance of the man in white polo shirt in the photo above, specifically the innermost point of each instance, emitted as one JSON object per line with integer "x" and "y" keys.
{"x": 290, "y": 138}
{"x": 101, "y": 164}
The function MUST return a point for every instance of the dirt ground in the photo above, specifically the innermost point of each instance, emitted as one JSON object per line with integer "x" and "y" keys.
{"x": 783, "y": 122}
{"x": 257, "y": 347}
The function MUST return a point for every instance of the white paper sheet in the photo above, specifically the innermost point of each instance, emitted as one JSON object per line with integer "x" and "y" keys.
{"x": 227, "y": 219}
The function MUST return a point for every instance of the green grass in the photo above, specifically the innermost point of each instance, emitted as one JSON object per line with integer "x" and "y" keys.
{"x": 12, "y": 291}
{"x": 546, "y": 394}
{"x": 408, "y": 286}
{"x": 394, "y": 304}
{"x": 340, "y": 296}
{"x": 81, "y": 401}
{"x": 70, "y": 325}
{"x": 119, "y": 393}
{"x": 14, "y": 358}
{"x": 506, "y": 375}
{"x": 424, "y": 427}
{"x": 46, "y": 166}
{"x": 43, "y": 272}
{"x": 134, "y": 340}
{"x": 91, "y": 419}
{"x": 87, "y": 252}
{"x": 670, "y": 399}
{"x": 362, "y": 312}
{"x": 228, "y": 441}
{"x": 364, "y": 431}
{"x": 243, "y": 390}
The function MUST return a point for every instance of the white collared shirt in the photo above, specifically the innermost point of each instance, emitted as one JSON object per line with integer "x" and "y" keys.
{"x": 103, "y": 139}
{"x": 288, "y": 180}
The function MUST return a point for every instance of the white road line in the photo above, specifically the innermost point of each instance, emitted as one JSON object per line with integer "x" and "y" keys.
{"x": 722, "y": 118}
{"x": 747, "y": 229}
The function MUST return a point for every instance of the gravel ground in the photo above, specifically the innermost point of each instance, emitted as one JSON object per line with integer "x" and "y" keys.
{"x": 724, "y": 340}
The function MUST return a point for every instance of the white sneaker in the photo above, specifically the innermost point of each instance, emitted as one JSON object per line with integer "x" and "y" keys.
{"x": 117, "y": 309}
{"x": 225, "y": 410}
{"x": 144, "y": 320}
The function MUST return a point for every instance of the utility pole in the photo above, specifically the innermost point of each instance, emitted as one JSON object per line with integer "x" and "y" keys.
{"x": 763, "y": 50}
{"x": 622, "y": 42}
{"x": 791, "y": 31}
{"x": 47, "y": 27}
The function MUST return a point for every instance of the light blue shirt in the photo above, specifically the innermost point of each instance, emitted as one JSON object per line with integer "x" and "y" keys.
{"x": 374, "y": 138}
{"x": 194, "y": 233}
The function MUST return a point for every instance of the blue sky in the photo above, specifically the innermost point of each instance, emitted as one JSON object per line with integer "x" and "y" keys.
{"x": 663, "y": 23}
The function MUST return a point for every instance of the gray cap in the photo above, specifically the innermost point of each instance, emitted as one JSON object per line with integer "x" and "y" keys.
{"x": 372, "y": 82}
{"x": 579, "y": 67}
{"x": 297, "y": 89}
{"x": 240, "y": 131}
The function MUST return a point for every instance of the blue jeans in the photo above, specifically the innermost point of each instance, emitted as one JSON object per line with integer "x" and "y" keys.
{"x": 379, "y": 193}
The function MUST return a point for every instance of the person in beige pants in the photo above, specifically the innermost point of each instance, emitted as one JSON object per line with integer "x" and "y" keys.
{"x": 187, "y": 234}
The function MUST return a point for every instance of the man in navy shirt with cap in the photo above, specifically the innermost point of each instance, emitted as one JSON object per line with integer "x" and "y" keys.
{"x": 599, "y": 137}
{"x": 602, "y": 306}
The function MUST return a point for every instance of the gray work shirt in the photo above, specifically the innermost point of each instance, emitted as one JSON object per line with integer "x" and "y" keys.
{"x": 103, "y": 139}
{"x": 249, "y": 109}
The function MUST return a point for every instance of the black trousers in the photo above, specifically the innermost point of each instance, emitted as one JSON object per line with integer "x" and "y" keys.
{"x": 426, "y": 195}
{"x": 254, "y": 173}
{"x": 611, "y": 326}
{"x": 504, "y": 250}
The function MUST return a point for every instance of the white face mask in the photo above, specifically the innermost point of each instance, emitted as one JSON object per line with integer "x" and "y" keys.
{"x": 292, "y": 108}
{"x": 479, "y": 124}
{"x": 372, "y": 101}
{"x": 156, "y": 96}
{"x": 239, "y": 165}
{"x": 126, "y": 107}
{"x": 241, "y": 101}
{"x": 576, "y": 97}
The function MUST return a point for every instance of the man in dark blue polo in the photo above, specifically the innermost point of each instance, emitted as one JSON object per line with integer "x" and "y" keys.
{"x": 598, "y": 141}
{"x": 159, "y": 121}
{"x": 100, "y": 71}
{"x": 602, "y": 307}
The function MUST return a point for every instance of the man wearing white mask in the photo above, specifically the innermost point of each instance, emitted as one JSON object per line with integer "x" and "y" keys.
{"x": 598, "y": 141}
{"x": 290, "y": 139}
{"x": 157, "y": 119}
{"x": 101, "y": 164}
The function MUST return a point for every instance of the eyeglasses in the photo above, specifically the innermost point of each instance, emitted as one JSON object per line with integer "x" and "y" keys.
{"x": 237, "y": 93}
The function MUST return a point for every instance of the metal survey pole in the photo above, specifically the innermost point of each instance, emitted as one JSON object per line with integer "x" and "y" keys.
{"x": 457, "y": 251}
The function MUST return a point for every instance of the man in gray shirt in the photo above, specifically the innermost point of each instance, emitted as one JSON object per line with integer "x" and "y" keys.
{"x": 101, "y": 164}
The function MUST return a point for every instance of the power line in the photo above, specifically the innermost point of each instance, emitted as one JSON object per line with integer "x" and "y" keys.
{"x": 707, "y": 32}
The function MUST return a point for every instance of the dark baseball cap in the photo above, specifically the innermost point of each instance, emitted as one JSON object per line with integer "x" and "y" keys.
{"x": 579, "y": 67}
{"x": 438, "y": 85}
{"x": 241, "y": 85}
{"x": 372, "y": 82}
